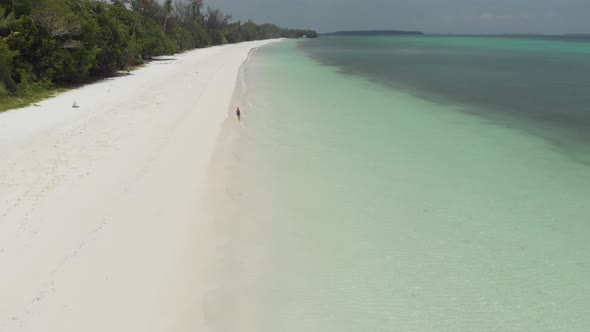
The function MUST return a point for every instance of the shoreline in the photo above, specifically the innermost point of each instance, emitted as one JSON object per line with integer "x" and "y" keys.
{"x": 339, "y": 192}
{"x": 238, "y": 258}
{"x": 101, "y": 226}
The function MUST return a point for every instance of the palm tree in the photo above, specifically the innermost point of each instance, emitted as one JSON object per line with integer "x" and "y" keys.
{"x": 142, "y": 5}
{"x": 168, "y": 9}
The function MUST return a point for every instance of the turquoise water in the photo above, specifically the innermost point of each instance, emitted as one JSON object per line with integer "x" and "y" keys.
{"x": 357, "y": 201}
{"x": 537, "y": 85}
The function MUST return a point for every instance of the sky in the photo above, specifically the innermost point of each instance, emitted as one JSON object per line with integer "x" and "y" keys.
{"x": 431, "y": 16}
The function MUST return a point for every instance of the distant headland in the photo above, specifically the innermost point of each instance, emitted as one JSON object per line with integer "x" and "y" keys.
{"x": 375, "y": 33}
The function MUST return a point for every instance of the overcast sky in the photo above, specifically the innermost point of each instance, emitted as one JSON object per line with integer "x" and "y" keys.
{"x": 433, "y": 16}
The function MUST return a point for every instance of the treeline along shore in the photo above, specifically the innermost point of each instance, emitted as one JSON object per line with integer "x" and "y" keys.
{"x": 44, "y": 43}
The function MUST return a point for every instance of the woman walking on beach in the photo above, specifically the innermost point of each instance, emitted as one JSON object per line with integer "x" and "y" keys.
{"x": 238, "y": 113}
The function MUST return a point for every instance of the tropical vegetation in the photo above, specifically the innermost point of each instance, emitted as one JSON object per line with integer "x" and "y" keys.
{"x": 48, "y": 43}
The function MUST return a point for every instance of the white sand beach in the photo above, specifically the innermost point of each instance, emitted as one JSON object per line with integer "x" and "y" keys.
{"x": 101, "y": 225}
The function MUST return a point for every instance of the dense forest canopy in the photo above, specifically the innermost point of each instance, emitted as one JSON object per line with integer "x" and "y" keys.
{"x": 43, "y": 42}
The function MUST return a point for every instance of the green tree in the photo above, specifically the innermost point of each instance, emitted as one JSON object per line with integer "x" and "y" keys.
{"x": 68, "y": 32}
{"x": 7, "y": 83}
{"x": 112, "y": 39}
{"x": 45, "y": 41}
{"x": 6, "y": 19}
{"x": 249, "y": 31}
{"x": 168, "y": 9}
{"x": 189, "y": 11}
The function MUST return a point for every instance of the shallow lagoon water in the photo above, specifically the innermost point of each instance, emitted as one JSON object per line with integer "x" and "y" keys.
{"x": 352, "y": 203}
